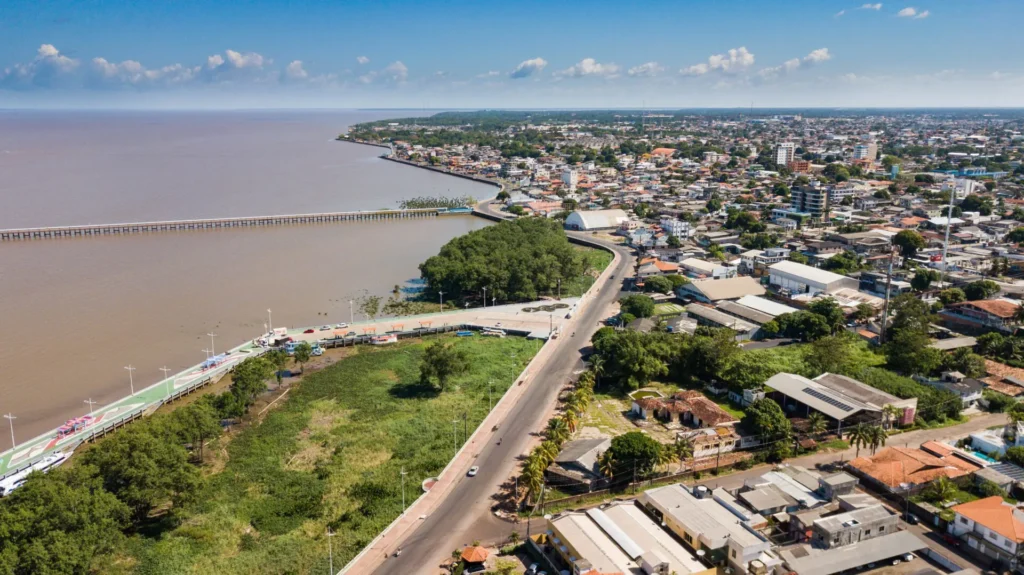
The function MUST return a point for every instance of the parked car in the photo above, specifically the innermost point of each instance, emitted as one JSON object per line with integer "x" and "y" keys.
{"x": 350, "y": 334}
{"x": 912, "y": 519}
{"x": 473, "y": 471}
{"x": 310, "y": 330}
{"x": 908, "y": 557}
{"x": 325, "y": 328}
{"x": 341, "y": 325}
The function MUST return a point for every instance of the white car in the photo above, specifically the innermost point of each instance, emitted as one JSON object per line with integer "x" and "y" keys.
{"x": 325, "y": 328}
{"x": 341, "y": 325}
{"x": 473, "y": 471}
{"x": 908, "y": 557}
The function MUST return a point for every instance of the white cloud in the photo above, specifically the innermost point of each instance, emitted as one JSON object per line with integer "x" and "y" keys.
{"x": 911, "y": 12}
{"x": 489, "y": 74}
{"x": 294, "y": 72}
{"x": 528, "y": 68}
{"x": 589, "y": 67}
{"x": 49, "y": 68}
{"x": 362, "y": 59}
{"x": 394, "y": 73}
{"x": 815, "y": 57}
{"x": 733, "y": 61}
{"x": 875, "y": 7}
{"x": 840, "y": 13}
{"x": 646, "y": 70}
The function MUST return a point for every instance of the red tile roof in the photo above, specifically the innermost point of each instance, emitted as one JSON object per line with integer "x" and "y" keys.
{"x": 997, "y": 307}
{"x": 995, "y": 514}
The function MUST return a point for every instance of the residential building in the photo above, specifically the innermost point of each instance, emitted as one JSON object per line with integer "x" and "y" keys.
{"x": 698, "y": 268}
{"x": 813, "y": 199}
{"x": 596, "y": 220}
{"x": 799, "y": 166}
{"x": 688, "y": 407}
{"x": 704, "y": 523}
{"x": 675, "y": 227}
{"x": 799, "y": 278}
{"x": 576, "y": 468}
{"x": 618, "y": 538}
{"x": 902, "y": 469}
{"x": 967, "y": 388}
{"x": 867, "y": 151}
{"x": 991, "y": 527}
{"x": 853, "y": 526}
{"x": 785, "y": 152}
{"x": 809, "y": 560}
{"x": 845, "y": 400}
{"x": 998, "y": 440}
{"x": 999, "y": 314}
{"x": 571, "y": 179}
{"x": 714, "y": 290}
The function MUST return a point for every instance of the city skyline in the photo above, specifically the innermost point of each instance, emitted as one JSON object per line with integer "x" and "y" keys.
{"x": 528, "y": 55}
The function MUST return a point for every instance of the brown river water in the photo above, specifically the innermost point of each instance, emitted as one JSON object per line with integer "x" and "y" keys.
{"x": 74, "y": 312}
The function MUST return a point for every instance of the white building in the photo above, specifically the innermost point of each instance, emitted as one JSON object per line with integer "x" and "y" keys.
{"x": 962, "y": 187}
{"x": 867, "y": 151}
{"x": 785, "y": 152}
{"x": 571, "y": 179}
{"x": 799, "y": 279}
{"x": 596, "y": 220}
{"x": 678, "y": 228}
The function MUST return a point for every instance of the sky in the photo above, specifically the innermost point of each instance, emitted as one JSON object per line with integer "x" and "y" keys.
{"x": 516, "y": 54}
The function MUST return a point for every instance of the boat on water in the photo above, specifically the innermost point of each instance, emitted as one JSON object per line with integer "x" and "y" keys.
{"x": 45, "y": 464}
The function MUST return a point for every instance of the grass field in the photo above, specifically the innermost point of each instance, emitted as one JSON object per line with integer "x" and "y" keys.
{"x": 595, "y": 260}
{"x": 330, "y": 456}
{"x": 668, "y": 309}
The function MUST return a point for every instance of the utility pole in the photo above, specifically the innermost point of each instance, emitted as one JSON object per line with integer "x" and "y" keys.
{"x": 212, "y": 335}
{"x": 330, "y": 550}
{"x": 634, "y": 477}
{"x": 465, "y": 426}
{"x": 945, "y": 243}
{"x": 455, "y": 436}
{"x": 270, "y": 320}
{"x": 91, "y": 403}
{"x": 559, "y": 288}
{"x": 888, "y": 290}
{"x": 10, "y": 419}
{"x": 485, "y": 297}
{"x": 351, "y": 313}
{"x": 403, "y": 489}
{"x": 131, "y": 381}
{"x": 490, "y": 396}
{"x": 440, "y": 294}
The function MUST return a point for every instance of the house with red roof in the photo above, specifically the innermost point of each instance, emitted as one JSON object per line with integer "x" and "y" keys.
{"x": 991, "y": 527}
{"x": 1000, "y": 314}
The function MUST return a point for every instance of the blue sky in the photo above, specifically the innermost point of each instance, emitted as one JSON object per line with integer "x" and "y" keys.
{"x": 428, "y": 53}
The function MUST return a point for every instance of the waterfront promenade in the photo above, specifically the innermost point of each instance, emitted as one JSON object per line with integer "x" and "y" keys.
{"x": 537, "y": 323}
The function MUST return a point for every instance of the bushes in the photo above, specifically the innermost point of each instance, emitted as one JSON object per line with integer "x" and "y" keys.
{"x": 932, "y": 404}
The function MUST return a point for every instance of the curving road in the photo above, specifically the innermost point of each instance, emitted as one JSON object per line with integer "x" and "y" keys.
{"x": 465, "y": 514}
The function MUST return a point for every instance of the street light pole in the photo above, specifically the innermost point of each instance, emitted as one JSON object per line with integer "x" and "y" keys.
{"x": 165, "y": 370}
{"x": 212, "y": 349}
{"x": 330, "y": 550}
{"x": 131, "y": 380}
{"x": 207, "y": 352}
{"x": 485, "y": 297}
{"x": 440, "y": 295}
{"x": 455, "y": 435}
{"x": 559, "y": 288}
{"x": 270, "y": 319}
{"x": 10, "y": 418}
{"x": 91, "y": 403}
{"x": 351, "y": 312}
{"x": 403, "y": 489}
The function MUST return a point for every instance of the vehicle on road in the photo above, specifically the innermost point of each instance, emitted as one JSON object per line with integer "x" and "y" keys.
{"x": 473, "y": 471}
{"x": 912, "y": 519}
{"x": 341, "y": 325}
{"x": 325, "y": 328}
{"x": 47, "y": 463}
{"x": 384, "y": 339}
{"x": 310, "y": 330}
{"x": 350, "y": 334}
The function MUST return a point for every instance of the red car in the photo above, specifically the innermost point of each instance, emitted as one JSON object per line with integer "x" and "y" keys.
{"x": 310, "y": 330}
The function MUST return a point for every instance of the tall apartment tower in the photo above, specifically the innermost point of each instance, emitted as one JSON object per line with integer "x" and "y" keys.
{"x": 867, "y": 151}
{"x": 812, "y": 199}
{"x": 571, "y": 179}
{"x": 785, "y": 152}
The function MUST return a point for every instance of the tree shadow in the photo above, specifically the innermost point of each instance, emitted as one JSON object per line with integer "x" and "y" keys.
{"x": 414, "y": 390}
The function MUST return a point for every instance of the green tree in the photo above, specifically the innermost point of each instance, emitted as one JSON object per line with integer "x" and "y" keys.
{"x": 816, "y": 423}
{"x": 1015, "y": 455}
{"x": 441, "y": 362}
{"x": 370, "y": 306}
{"x": 829, "y": 309}
{"x": 798, "y": 257}
{"x": 923, "y": 279}
{"x": 713, "y": 204}
{"x": 682, "y": 450}
{"x": 248, "y": 380}
{"x": 877, "y": 436}
{"x": 864, "y": 312}
{"x": 631, "y": 358}
{"x": 303, "y": 353}
{"x": 59, "y": 523}
{"x": 143, "y": 470}
{"x": 909, "y": 352}
{"x": 952, "y": 295}
{"x": 637, "y": 305}
{"x": 828, "y": 354}
{"x": 940, "y": 490}
{"x": 965, "y": 361}
{"x": 909, "y": 242}
{"x": 802, "y": 325}
{"x": 859, "y": 436}
{"x": 557, "y": 430}
{"x": 195, "y": 424}
{"x": 657, "y": 284}
{"x": 1016, "y": 236}
{"x": 635, "y": 452}
{"x": 279, "y": 358}
{"x": 981, "y": 289}
{"x": 976, "y": 203}
{"x": 910, "y": 313}
{"x": 673, "y": 242}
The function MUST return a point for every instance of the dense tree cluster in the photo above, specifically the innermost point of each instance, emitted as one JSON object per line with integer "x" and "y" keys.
{"x": 515, "y": 261}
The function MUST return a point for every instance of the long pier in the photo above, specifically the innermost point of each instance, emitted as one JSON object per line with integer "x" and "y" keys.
{"x": 17, "y": 234}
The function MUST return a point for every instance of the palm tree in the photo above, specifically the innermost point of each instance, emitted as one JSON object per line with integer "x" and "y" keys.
{"x": 557, "y": 430}
{"x": 891, "y": 413}
{"x": 816, "y": 423}
{"x": 533, "y": 477}
{"x": 513, "y": 538}
{"x": 572, "y": 420}
{"x": 940, "y": 490}
{"x": 597, "y": 365}
{"x": 606, "y": 464}
{"x": 548, "y": 451}
{"x": 877, "y": 436}
{"x": 683, "y": 449}
{"x": 665, "y": 455}
{"x": 859, "y": 436}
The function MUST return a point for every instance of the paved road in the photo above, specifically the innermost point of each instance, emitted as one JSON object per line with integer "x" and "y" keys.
{"x": 465, "y": 515}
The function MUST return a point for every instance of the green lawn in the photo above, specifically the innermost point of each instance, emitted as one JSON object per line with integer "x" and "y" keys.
{"x": 595, "y": 261}
{"x": 668, "y": 309}
{"x": 331, "y": 455}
